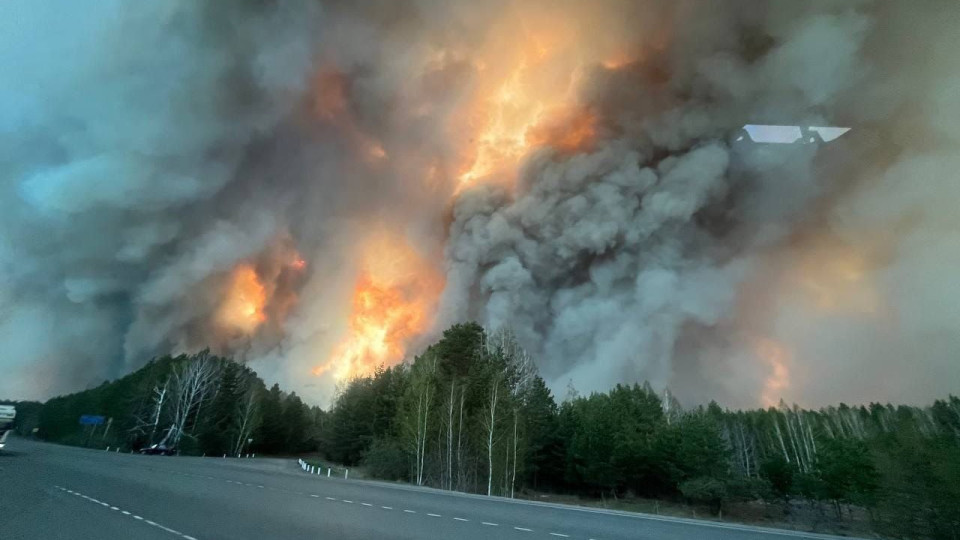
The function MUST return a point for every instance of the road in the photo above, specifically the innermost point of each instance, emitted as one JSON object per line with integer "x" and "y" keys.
{"x": 49, "y": 491}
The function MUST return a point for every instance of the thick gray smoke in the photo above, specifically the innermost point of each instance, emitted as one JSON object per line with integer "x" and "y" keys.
{"x": 123, "y": 133}
{"x": 148, "y": 150}
{"x": 677, "y": 253}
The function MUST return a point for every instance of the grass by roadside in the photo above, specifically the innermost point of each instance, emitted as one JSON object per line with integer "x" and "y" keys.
{"x": 797, "y": 516}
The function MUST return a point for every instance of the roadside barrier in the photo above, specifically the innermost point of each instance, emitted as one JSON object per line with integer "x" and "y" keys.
{"x": 319, "y": 469}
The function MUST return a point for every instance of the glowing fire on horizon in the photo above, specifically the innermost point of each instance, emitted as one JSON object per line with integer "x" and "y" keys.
{"x": 393, "y": 302}
{"x": 777, "y": 358}
{"x": 526, "y": 99}
{"x": 243, "y": 307}
{"x": 836, "y": 278}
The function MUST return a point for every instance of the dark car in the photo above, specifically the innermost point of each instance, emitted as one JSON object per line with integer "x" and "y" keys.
{"x": 158, "y": 450}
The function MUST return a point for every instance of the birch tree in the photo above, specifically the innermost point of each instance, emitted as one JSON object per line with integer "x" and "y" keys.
{"x": 419, "y": 400}
{"x": 192, "y": 382}
{"x": 151, "y": 418}
{"x": 247, "y": 417}
{"x": 490, "y": 425}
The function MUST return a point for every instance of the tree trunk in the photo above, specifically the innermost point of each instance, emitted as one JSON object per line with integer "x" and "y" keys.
{"x": 460, "y": 443}
{"x": 490, "y": 429}
{"x": 450, "y": 440}
{"x": 513, "y": 478}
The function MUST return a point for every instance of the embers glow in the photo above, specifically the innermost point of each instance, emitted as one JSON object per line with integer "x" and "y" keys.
{"x": 242, "y": 308}
{"x": 777, "y": 358}
{"x": 393, "y": 302}
{"x": 837, "y": 279}
{"x": 525, "y": 92}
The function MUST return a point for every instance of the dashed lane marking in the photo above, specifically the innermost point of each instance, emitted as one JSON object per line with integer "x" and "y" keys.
{"x": 408, "y": 511}
{"x": 126, "y": 513}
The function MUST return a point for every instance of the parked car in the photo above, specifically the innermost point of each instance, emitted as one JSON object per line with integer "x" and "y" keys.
{"x": 7, "y": 414}
{"x": 158, "y": 450}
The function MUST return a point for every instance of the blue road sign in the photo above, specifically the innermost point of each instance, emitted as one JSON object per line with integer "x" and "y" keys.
{"x": 92, "y": 420}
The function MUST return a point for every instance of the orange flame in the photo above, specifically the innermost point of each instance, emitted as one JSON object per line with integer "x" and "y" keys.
{"x": 571, "y": 132}
{"x": 778, "y": 358}
{"x": 836, "y": 279}
{"x": 393, "y": 300}
{"x": 523, "y": 87}
{"x": 330, "y": 104}
{"x": 242, "y": 309}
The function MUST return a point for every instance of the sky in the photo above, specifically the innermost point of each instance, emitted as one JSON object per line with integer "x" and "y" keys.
{"x": 316, "y": 188}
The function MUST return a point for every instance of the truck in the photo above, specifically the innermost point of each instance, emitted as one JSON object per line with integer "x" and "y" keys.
{"x": 7, "y": 415}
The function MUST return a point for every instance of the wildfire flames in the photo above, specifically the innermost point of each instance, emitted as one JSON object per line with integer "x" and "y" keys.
{"x": 243, "y": 307}
{"x": 835, "y": 278}
{"x": 526, "y": 98}
{"x": 393, "y": 300}
{"x": 777, "y": 358}
{"x": 523, "y": 97}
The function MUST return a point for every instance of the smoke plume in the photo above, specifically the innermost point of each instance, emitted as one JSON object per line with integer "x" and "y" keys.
{"x": 318, "y": 187}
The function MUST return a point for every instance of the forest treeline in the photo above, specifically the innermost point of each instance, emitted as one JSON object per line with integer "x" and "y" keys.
{"x": 200, "y": 404}
{"x": 472, "y": 414}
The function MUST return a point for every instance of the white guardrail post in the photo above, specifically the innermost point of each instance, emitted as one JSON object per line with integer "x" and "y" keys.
{"x": 318, "y": 469}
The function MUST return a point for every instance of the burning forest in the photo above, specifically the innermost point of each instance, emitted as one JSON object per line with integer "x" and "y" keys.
{"x": 317, "y": 189}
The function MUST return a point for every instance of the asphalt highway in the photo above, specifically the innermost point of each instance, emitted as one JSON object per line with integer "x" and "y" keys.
{"x": 49, "y": 492}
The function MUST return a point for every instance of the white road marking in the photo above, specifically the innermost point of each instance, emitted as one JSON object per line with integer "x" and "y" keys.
{"x": 488, "y": 523}
{"x": 434, "y": 515}
{"x": 523, "y": 529}
{"x": 366, "y": 504}
{"x": 410, "y": 511}
{"x": 126, "y": 513}
{"x": 387, "y": 507}
{"x": 317, "y": 496}
{"x": 330, "y": 499}
{"x": 461, "y": 519}
{"x": 346, "y": 501}
{"x": 560, "y": 535}
{"x": 261, "y": 487}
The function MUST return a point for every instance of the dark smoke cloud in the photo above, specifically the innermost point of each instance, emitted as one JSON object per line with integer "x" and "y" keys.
{"x": 654, "y": 257}
{"x": 124, "y": 130}
{"x": 146, "y": 150}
